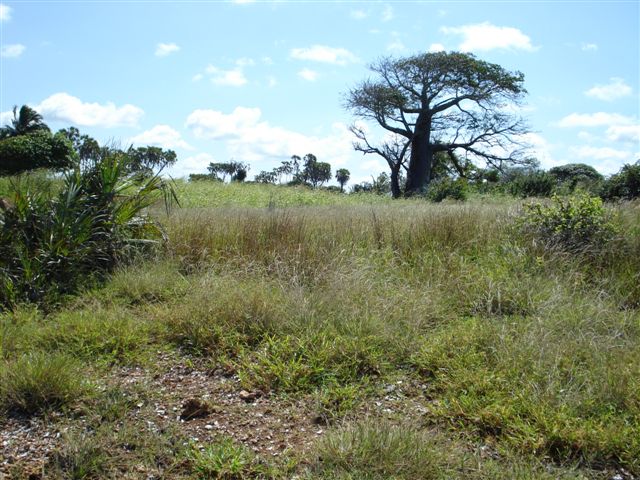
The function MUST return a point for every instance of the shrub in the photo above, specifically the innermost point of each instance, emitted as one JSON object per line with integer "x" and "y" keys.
{"x": 35, "y": 150}
{"x": 530, "y": 184}
{"x": 447, "y": 188}
{"x": 624, "y": 185}
{"x": 573, "y": 224}
{"x": 50, "y": 244}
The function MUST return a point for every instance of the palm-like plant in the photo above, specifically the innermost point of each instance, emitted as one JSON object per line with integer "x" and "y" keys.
{"x": 52, "y": 243}
{"x": 26, "y": 121}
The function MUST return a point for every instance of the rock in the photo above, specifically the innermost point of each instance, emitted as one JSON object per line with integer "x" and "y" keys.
{"x": 195, "y": 408}
{"x": 248, "y": 397}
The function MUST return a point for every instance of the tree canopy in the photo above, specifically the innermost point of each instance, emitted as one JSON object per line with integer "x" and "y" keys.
{"x": 440, "y": 102}
{"x": 35, "y": 150}
{"x": 26, "y": 121}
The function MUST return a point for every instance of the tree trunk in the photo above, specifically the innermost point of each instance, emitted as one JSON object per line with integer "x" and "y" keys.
{"x": 395, "y": 181}
{"x": 419, "y": 174}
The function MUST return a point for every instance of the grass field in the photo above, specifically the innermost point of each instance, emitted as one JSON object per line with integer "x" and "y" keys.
{"x": 337, "y": 337}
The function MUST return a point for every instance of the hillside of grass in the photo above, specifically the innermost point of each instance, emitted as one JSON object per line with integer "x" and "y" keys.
{"x": 202, "y": 194}
{"x": 337, "y": 337}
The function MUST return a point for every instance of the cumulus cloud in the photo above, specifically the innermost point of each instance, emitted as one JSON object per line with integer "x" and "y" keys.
{"x": 253, "y": 140}
{"x": 12, "y": 51}
{"x": 5, "y": 12}
{"x": 228, "y": 78}
{"x": 600, "y": 153}
{"x": 615, "y": 89}
{"x": 197, "y": 163}
{"x": 161, "y": 136}
{"x": 5, "y": 118}
{"x": 482, "y": 37}
{"x": 216, "y": 125}
{"x": 164, "y": 49}
{"x": 589, "y": 47}
{"x": 624, "y": 133}
{"x": 308, "y": 74}
{"x": 594, "y": 120}
{"x": 436, "y": 47}
{"x": 67, "y": 108}
{"x": 324, "y": 54}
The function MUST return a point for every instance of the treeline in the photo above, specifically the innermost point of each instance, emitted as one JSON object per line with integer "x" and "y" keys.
{"x": 27, "y": 144}
{"x": 296, "y": 171}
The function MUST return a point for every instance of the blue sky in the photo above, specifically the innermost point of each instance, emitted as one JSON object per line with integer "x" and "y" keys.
{"x": 261, "y": 81}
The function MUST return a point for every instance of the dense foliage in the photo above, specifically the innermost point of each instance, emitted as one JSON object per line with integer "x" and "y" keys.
{"x": 624, "y": 185}
{"x": 574, "y": 224}
{"x": 51, "y": 243}
{"x": 39, "y": 149}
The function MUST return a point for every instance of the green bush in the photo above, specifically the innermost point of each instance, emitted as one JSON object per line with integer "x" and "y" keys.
{"x": 531, "y": 184}
{"x": 35, "y": 150}
{"x": 447, "y": 188}
{"x": 50, "y": 244}
{"x": 573, "y": 224}
{"x": 624, "y": 185}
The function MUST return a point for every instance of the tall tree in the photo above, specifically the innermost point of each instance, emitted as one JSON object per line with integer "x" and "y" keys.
{"x": 24, "y": 122}
{"x": 314, "y": 173}
{"x": 443, "y": 102}
{"x": 342, "y": 176}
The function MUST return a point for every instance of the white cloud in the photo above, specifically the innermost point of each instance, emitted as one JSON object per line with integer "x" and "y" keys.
{"x": 308, "y": 74}
{"x": 67, "y": 108}
{"x": 589, "y": 47}
{"x": 594, "y": 120}
{"x": 322, "y": 53}
{"x": 540, "y": 148}
{"x": 615, "y": 89}
{"x": 600, "y": 153}
{"x": 217, "y": 125}
{"x": 272, "y": 81}
{"x": 5, "y": 12}
{"x": 586, "y": 136}
{"x": 252, "y": 140}
{"x": 436, "y": 47}
{"x": 164, "y": 49}
{"x": 197, "y": 77}
{"x": 243, "y": 2}
{"x": 267, "y": 60}
{"x": 12, "y": 51}
{"x": 227, "y": 78}
{"x": 485, "y": 36}
{"x": 5, "y": 118}
{"x": 194, "y": 164}
{"x": 358, "y": 14}
{"x": 387, "y": 13}
{"x": 624, "y": 133}
{"x": 161, "y": 136}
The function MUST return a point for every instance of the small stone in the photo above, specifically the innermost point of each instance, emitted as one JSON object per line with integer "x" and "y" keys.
{"x": 248, "y": 396}
{"x": 208, "y": 427}
{"x": 195, "y": 408}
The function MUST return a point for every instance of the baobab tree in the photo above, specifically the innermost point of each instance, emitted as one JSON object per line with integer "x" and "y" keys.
{"x": 441, "y": 102}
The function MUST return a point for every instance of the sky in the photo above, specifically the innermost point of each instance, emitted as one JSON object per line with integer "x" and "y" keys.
{"x": 260, "y": 81}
